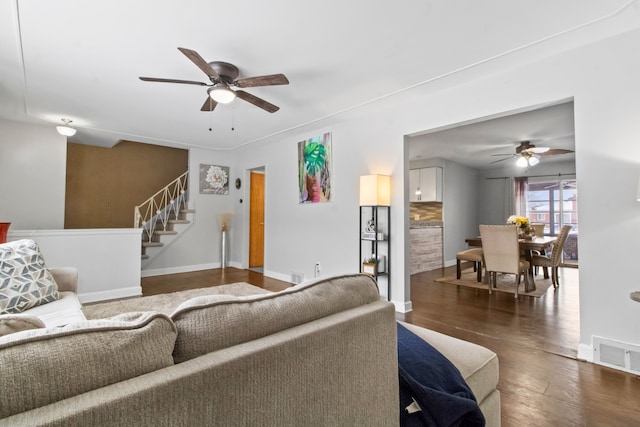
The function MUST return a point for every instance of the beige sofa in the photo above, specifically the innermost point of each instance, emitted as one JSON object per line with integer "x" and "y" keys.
{"x": 322, "y": 354}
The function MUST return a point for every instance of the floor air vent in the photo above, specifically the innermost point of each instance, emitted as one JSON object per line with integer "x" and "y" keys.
{"x": 616, "y": 354}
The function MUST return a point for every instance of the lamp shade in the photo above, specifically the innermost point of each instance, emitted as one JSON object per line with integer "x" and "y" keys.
{"x": 375, "y": 190}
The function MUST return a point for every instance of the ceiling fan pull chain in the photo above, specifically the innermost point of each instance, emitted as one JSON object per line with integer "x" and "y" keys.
{"x": 233, "y": 117}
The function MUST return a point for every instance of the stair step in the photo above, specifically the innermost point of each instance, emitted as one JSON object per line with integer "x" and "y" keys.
{"x": 164, "y": 232}
{"x": 179, "y": 221}
{"x": 145, "y": 256}
{"x": 187, "y": 211}
{"x": 147, "y": 244}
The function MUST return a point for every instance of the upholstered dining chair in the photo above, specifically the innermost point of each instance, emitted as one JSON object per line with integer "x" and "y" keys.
{"x": 538, "y": 230}
{"x": 553, "y": 262}
{"x": 476, "y": 256}
{"x": 502, "y": 254}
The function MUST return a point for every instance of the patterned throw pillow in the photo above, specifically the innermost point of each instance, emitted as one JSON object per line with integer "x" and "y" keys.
{"x": 25, "y": 280}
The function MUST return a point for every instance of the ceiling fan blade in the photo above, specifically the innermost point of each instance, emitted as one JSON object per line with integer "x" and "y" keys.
{"x": 538, "y": 150}
{"x": 258, "y": 102}
{"x": 201, "y": 63}
{"x": 495, "y": 155}
{"x": 187, "y": 82}
{"x": 209, "y": 105}
{"x": 269, "y": 80}
{"x": 556, "y": 151}
{"x": 501, "y": 160}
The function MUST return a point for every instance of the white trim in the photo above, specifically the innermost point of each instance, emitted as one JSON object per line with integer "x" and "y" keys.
{"x": 585, "y": 352}
{"x": 403, "y": 306}
{"x": 278, "y": 276}
{"x": 180, "y": 269}
{"x": 73, "y": 232}
{"x": 134, "y": 291}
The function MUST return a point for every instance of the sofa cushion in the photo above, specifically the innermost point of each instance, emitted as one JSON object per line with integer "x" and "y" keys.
{"x": 478, "y": 365}
{"x": 66, "y": 309}
{"x": 41, "y": 366}
{"x": 25, "y": 280}
{"x": 12, "y": 323}
{"x": 212, "y": 322}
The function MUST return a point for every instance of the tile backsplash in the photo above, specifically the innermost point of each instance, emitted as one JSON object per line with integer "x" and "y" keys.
{"x": 425, "y": 211}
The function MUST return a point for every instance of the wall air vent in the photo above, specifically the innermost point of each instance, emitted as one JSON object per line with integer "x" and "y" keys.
{"x": 616, "y": 354}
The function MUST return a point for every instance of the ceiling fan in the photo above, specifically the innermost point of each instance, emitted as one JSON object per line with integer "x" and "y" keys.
{"x": 223, "y": 76}
{"x": 529, "y": 155}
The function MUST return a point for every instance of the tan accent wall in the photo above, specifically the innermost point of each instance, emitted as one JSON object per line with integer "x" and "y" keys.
{"x": 426, "y": 211}
{"x": 103, "y": 185}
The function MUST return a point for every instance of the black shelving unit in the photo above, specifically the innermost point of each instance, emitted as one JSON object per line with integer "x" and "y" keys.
{"x": 375, "y": 227}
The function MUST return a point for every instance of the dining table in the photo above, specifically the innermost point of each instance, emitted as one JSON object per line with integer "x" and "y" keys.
{"x": 536, "y": 243}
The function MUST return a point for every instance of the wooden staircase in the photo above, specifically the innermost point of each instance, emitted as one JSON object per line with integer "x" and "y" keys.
{"x": 160, "y": 235}
{"x": 163, "y": 216}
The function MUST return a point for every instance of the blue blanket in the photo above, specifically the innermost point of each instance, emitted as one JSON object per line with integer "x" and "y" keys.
{"x": 435, "y": 384}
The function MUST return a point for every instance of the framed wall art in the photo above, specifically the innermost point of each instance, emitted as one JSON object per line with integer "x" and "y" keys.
{"x": 214, "y": 179}
{"x": 314, "y": 169}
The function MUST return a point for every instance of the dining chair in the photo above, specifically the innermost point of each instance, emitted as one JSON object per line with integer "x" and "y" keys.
{"x": 476, "y": 256}
{"x": 502, "y": 254}
{"x": 553, "y": 262}
{"x": 538, "y": 229}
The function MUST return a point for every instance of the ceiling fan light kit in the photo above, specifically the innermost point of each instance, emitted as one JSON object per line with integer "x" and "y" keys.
{"x": 522, "y": 162}
{"x": 221, "y": 93}
{"x": 66, "y": 129}
{"x": 223, "y": 76}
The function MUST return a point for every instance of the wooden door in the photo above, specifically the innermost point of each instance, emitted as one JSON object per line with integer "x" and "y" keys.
{"x": 256, "y": 222}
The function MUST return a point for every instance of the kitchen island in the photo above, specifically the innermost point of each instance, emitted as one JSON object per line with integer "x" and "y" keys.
{"x": 425, "y": 246}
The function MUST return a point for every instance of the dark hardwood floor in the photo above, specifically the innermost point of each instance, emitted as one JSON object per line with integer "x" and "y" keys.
{"x": 541, "y": 381}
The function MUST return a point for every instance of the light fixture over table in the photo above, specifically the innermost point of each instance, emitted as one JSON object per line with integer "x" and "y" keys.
{"x": 526, "y": 160}
{"x": 66, "y": 129}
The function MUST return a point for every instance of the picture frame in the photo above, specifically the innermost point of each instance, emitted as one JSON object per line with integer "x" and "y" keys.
{"x": 214, "y": 179}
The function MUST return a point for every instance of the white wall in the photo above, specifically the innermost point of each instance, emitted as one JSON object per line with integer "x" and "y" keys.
{"x": 602, "y": 79}
{"x": 460, "y": 212}
{"x": 198, "y": 247}
{"x": 33, "y": 162}
{"x": 108, "y": 260}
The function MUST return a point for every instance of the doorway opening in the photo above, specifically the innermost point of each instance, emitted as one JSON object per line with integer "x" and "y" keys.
{"x": 256, "y": 220}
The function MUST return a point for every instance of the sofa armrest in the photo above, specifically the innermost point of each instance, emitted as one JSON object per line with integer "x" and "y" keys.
{"x": 66, "y": 278}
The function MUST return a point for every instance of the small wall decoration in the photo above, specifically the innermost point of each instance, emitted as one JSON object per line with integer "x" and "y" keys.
{"x": 314, "y": 169}
{"x": 214, "y": 179}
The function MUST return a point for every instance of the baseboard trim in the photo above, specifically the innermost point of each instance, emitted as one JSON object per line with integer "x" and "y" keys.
{"x": 181, "y": 269}
{"x": 278, "y": 276}
{"x": 134, "y": 291}
{"x": 585, "y": 352}
{"x": 185, "y": 269}
{"x": 403, "y": 307}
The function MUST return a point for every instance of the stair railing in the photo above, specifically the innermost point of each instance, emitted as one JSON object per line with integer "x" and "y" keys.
{"x": 160, "y": 207}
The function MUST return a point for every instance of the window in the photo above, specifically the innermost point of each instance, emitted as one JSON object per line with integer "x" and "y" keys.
{"x": 555, "y": 203}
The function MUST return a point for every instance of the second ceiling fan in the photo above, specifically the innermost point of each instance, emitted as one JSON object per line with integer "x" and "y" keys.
{"x": 223, "y": 76}
{"x": 529, "y": 155}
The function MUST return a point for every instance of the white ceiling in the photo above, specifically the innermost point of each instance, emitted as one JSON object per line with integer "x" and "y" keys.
{"x": 482, "y": 143}
{"x": 81, "y": 59}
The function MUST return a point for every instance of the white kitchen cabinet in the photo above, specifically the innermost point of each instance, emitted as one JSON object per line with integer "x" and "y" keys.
{"x": 425, "y": 185}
